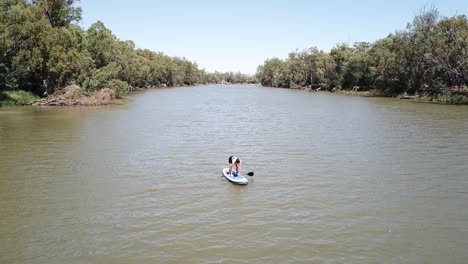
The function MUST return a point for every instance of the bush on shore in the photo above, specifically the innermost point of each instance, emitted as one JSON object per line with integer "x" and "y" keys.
{"x": 13, "y": 98}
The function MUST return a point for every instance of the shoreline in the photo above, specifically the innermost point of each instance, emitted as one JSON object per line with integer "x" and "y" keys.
{"x": 73, "y": 96}
{"x": 445, "y": 99}
{"x": 441, "y": 99}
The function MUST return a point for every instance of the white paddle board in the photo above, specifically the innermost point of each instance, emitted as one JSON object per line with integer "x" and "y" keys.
{"x": 239, "y": 179}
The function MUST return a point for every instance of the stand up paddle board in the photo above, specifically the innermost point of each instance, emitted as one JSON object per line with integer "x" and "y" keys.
{"x": 239, "y": 179}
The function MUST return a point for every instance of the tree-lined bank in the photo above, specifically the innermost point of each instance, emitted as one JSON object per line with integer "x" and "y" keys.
{"x": 429, "y": 58}
{"x": 43, "y": 50}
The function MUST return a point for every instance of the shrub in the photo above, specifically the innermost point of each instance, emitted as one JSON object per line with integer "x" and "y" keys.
{"x": 11, "y": 98}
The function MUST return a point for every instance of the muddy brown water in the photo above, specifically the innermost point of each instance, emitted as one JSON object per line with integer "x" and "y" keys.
{"x": 338, "y": 179}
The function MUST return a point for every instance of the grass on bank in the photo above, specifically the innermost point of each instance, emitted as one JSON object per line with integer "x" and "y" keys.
{"x": 443, "y": 98}
{"x": 13, "y": 98}
{"x": 455, "y": 99}
{"x": 370, "y": 93}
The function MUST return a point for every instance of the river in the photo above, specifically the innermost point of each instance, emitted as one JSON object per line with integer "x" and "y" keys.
{"x": 338, "y": 179}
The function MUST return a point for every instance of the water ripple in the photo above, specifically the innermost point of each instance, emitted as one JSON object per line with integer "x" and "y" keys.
{"x": 337, "y": 179}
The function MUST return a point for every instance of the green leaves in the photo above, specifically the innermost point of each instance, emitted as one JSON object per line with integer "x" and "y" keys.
{"x": 59, "y": 13}
{"x": 308, "y": 67}
{"x": 42, "y": 50}
{"x": 450, "y": 49}
{"x": 429, "y": 49}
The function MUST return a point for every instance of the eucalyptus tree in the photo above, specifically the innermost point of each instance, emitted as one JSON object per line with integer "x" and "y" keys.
{"x": 450, "y": 50}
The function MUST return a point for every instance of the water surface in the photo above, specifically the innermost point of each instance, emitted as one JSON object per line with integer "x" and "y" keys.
{"x": 338, "y": 179}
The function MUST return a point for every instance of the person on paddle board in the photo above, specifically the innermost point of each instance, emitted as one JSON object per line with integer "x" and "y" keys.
{"x": 234, "y": 162}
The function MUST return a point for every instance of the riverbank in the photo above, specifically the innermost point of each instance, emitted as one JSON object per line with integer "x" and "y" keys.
{"x": 446, "y": 98}
{"x": 68, "y": 96}
{"x": 453, "y": 98}
{"x": 15, "y": 98}
{"x": 73, "y": 95}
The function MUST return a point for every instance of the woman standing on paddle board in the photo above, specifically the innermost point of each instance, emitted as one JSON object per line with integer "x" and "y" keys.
{"x": 235, "y": 161}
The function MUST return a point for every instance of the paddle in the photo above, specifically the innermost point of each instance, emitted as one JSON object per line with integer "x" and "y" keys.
{"x": 250, "y": 173}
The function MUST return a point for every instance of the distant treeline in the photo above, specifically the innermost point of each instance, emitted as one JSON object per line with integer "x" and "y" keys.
{"x": 42, "y": 50}
{"x": 231, "y": 77}
{"x": 430, "y": 55}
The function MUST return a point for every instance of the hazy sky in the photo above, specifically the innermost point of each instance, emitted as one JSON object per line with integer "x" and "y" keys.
{"x": 240, "y": 35}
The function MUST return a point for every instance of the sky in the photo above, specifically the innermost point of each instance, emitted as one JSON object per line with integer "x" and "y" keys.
{"x": 228, "y": 35}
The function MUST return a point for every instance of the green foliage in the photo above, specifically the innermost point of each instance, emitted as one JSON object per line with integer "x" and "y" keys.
{"x": 388, "y": 61}
{"x": 41, "y": 50}
{"x": 356, "y": 70}
{"x": 432, "y": 52}
{"x": 341, "y": 55}
{"x": 59, "y": 13}
{"x": 13, "y": 80}
{"x": 450, "y": 50}
{"x": 101, "y": 44}
{"x": 230, "y": 77}
{"x": 12, "y": 98}
{"x": 447, "y": 98}
{"x": 120, "y": 87}
{"x": 274, "y": 73}
{"x": 100, "y": 77}
{"x": 438, "y": 87}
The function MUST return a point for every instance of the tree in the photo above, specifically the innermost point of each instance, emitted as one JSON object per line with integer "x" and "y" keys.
{"x": 388, "y": 60}
{"x": 101, "y": 44}
{"x": 341, "y": 54}
{"x": 418, "y": 54}
{"x": 59, "y": 13}
{"x": 273, "y": 73}
{"x": 450, "y": 49}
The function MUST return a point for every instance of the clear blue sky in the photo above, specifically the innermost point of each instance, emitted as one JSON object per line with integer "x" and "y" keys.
{"x": 240, "y": 35}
